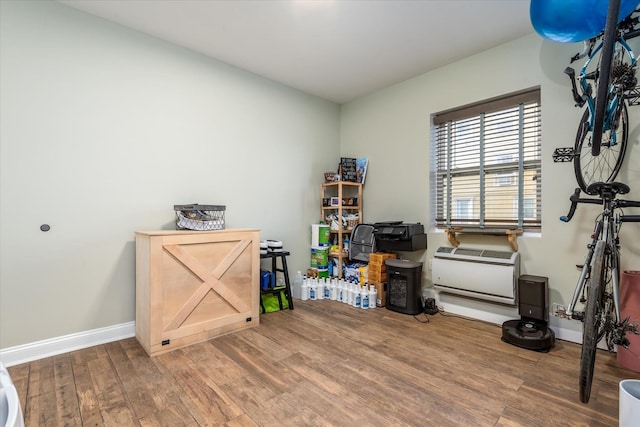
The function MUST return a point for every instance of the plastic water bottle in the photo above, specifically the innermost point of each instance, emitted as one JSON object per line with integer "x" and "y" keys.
{"x": 373, "y": 296}
{"x": 364, "y": 297}
{"x": 313, "y": 290}
{"x": 297, "y": 286}
{"x": 356, "y": 296}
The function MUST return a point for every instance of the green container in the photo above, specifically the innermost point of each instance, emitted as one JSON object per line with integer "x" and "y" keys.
{"x": 320, "y": 235}
{"x": 320, "y": 257}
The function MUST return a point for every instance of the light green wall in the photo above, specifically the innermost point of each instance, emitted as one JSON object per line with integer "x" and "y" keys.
{"x": 103, "y": 130}
{"x": 392, "y": 128}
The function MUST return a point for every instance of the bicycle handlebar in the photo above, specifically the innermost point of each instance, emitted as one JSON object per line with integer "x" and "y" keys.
{"x": 575, "y": 199}
{"x": 628, "y": 25}
{"x": 632, "y": 34}
{"x": 630, "y": 218}
{"x": 620, "y": 203}
{"x": 628, "y": 204}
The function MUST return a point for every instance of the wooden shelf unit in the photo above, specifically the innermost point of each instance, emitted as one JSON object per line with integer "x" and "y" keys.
{"x": 341, "y": 190}
{"x": 192, "y": 286}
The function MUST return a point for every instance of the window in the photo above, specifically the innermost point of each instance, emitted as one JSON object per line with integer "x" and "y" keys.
{"x": 505, "y": 179}
{"x": 508, "y": 178}
{"x": 487, "y": 164}
{"x": 528, "y": 207}
{"x": 463, "y": 208}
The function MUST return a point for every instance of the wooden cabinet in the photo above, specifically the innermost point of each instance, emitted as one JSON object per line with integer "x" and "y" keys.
{"x": 347, "y": 199}
{"x": 192, "y": 286}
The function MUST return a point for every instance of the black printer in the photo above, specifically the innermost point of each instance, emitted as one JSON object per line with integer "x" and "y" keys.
{"x": 398, "y": 236}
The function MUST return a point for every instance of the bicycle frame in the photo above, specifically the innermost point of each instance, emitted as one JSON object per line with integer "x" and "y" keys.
{"x": 599, "y": 279}
{"x": 616, "y": 93}
{"x": 604, "y": 124}
{"x": 606, "y": 230}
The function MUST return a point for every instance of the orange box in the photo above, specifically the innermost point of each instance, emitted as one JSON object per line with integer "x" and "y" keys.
{"x": 380, "y": 257}
{"x": 377, "y": 277}
{"x": 376, "y": 268}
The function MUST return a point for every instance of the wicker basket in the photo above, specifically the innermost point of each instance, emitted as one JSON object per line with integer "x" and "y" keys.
{"x": 199, "y": 217}
{"x": 331, "y": 177}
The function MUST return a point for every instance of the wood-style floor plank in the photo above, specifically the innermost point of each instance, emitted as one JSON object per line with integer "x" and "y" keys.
{"x": 324, "y": 364}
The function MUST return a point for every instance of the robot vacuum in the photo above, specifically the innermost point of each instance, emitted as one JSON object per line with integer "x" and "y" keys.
{"x": 528, "y": 334}
{"x": 531, "y": 330}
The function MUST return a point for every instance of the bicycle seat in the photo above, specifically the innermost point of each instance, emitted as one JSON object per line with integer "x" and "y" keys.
{"x": 607, "y": 189}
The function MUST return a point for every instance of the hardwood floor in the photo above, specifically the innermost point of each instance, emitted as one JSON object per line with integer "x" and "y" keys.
{"x": 324, "y": 363}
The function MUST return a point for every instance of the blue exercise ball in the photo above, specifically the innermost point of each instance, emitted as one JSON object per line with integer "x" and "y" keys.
{"x": 569, "y": 21}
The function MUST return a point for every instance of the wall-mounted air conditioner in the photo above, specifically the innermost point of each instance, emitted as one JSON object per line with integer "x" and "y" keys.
{"x": 479, "y": 273}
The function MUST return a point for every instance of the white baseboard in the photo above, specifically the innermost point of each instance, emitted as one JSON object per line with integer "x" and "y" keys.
{"x": 53, "y": 346}
{"x": 64, "y": 344}
{"x": 473, "y": 313}
{"x": 498, "y": 319}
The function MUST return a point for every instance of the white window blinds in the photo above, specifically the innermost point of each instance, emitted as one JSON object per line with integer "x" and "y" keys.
{"x": 488, "y": 166}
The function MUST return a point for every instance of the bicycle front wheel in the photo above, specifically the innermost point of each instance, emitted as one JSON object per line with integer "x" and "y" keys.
{"x": 592, "y": 321}
{"x": 602, "y": 91}
{"x": 605, "y": 166}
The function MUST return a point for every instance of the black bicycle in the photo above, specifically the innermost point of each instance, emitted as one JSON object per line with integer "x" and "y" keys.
{"x": 598, "y": 286}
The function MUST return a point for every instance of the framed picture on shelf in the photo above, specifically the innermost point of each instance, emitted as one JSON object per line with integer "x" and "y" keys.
{"x": 361, "y": 169}
{"x": 335, "y": 201}
{"x": 347, "y": 169}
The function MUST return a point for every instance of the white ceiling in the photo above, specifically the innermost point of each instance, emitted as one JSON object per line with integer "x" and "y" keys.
{"x": 336, "y": 49}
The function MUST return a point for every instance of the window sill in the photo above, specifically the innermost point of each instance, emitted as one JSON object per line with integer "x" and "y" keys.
{"x": 511, "y": 234}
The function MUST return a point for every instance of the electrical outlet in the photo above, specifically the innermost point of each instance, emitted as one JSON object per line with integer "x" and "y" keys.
{"x": 430, "y": 263}
{"x": 559, "y": 310}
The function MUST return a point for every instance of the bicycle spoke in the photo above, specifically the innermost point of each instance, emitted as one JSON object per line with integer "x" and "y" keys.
{"x": 598, "y": 168}
{"x": 605, "y": 166}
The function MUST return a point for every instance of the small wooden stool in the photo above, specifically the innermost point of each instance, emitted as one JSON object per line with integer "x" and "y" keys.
{"x": 276, "y": 289}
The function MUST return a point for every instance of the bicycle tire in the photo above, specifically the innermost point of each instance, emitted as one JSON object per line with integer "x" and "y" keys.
{"x": 592, "y": 320}
{"x": 605, "y": 166}
{"x": 606, "y": 57}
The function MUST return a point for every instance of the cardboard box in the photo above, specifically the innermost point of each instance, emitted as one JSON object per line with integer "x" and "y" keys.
{"x": 376, "y": 277}
{"x": 380, "y": 257}
{"x": 381, "y": 288}
{"x": 377, "y": 268}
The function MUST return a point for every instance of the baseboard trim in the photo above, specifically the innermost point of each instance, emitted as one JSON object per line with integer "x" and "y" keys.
{"x": 64, "y": 344}
{"x": 498, "y": 319}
